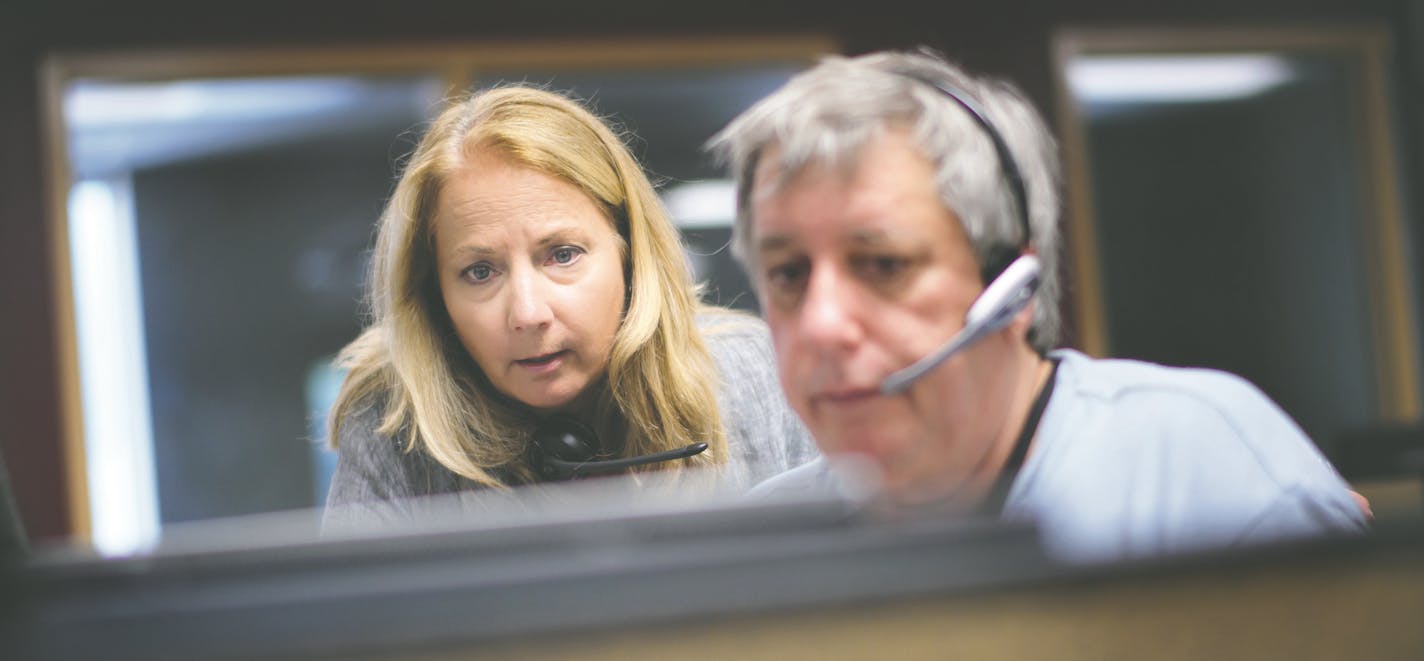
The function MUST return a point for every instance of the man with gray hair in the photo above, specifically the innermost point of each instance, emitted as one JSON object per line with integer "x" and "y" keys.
{"x": 899, "y": 221}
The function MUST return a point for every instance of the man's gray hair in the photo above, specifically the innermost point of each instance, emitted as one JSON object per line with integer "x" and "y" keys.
{"x": 827, "y": 114}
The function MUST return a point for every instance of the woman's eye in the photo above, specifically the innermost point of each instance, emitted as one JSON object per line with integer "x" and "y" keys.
{"x": 564, "y": 255}
{"x": 479, "y": 272}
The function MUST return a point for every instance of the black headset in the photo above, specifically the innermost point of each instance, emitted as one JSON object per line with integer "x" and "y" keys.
{"x": 1001, "y": 256}
{"x": 1011, "y": 275}
{"x": 563, "y": 449}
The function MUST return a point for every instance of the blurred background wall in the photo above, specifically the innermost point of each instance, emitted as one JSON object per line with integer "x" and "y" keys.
{"x": 1012, "y": 40}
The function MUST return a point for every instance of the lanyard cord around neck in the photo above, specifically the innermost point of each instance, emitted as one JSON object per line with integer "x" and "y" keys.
{"x": 994, "y": 505}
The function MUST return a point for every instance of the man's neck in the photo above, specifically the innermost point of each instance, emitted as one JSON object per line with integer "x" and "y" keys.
{"x": 1031, "y": 372}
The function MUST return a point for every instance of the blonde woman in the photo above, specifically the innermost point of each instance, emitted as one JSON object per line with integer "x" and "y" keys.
{"x": 526, "y": 276}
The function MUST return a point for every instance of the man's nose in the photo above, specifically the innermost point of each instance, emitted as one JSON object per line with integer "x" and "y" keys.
{"x": 529, "y": 301}
{"x": 829, "y": 316}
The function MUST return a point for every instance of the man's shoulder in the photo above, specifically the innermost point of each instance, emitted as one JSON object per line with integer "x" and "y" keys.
{"x": 1150, "y": 402}
{"x": 1211, "y": 415}
{"x": 1148, "y": 456}
{"x": 1127, "y": 379}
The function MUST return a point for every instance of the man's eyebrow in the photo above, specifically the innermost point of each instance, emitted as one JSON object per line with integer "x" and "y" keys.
{"x": 870, "y": 237}
{"x": 773, "y": 242}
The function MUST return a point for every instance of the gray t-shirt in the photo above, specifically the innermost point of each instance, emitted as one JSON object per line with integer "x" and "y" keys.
{"x": 378, "y": 483}
{"x": 1133, "y": 459}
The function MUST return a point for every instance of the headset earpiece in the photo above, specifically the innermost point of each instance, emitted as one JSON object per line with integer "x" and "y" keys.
{"x": 997, "y": 261}
{"x": 564, "y": 449}
{"x": 561, "y": 446}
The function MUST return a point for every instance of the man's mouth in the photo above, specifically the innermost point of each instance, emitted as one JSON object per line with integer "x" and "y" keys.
{"x": 847, "y": 395}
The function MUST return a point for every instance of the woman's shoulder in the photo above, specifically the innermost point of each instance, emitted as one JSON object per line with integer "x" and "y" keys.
{"x": 765, "y": 435}
{"x": 732, "y": 333}
{"x": 361, "y": 444}
{"x": 373, "y": 463}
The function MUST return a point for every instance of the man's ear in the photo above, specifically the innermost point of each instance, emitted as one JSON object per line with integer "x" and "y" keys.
{"x": 1023, "y": 320}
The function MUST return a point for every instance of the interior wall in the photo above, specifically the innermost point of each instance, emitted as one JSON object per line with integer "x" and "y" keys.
{"x": 1239, "y": 223}
{"x": 280, "y": 233}
{"x": 1011, "y": 40}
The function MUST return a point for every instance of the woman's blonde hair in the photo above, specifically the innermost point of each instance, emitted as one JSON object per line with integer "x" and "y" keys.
{"x": 660, "y": 388}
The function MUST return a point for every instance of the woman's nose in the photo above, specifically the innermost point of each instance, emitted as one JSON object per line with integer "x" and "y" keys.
{"x": 529, "y": 303}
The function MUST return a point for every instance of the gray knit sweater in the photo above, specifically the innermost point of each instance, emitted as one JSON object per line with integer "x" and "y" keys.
{"x": 377, "y": 483}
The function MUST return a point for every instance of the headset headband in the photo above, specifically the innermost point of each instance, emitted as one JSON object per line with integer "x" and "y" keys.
{"x": 1007, "y": 166}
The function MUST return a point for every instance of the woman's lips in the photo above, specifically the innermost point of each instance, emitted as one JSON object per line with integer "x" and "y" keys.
{"x": 543, "y": 363}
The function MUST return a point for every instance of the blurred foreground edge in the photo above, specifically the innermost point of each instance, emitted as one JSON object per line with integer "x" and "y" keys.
{"x": 809, "y": 579}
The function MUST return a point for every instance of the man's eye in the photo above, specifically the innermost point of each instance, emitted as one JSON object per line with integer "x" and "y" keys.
{"x": 479, "y": 272}
{"x": 565, "y": 255}
{"x": 787, "y": 276}
{"x": 881, "y": 267}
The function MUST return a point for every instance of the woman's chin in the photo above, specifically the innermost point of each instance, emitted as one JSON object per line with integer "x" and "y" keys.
{"x": 545, "y": 404}
{"x": 552, "y": 400}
